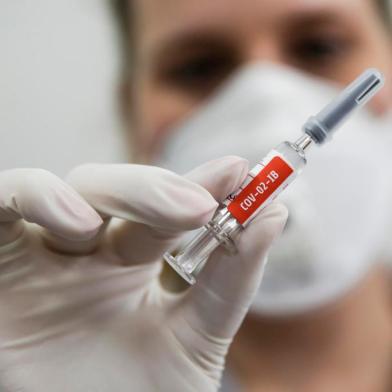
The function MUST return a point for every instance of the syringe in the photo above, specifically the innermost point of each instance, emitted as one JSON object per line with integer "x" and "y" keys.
{"x": 270, "y": 177}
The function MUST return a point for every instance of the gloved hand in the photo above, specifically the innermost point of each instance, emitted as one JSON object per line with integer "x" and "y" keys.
{"x": 81, "y": 304}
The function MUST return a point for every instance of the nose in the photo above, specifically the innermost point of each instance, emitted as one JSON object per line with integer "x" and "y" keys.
{"x": 264, "y": 50}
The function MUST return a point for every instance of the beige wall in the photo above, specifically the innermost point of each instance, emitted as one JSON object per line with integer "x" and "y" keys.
{"x": 58, "y": 70}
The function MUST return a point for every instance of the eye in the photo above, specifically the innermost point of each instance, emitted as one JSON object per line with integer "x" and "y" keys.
{"x": 319, "y": 50}
{"x": 198, "y": 73}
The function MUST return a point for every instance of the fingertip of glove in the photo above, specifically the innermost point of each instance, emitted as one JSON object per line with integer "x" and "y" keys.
{"x": 275, "y": 210}
{"x": 212, "y": 181}
{"x": 46, "y": 200}
{"x": 77, "y": 220}
{"x": 194, "y": 206}
{"x": 221, "y": 170}
{"x": 220, "y": 176}
{"x": 265, "y": 228}
{"x": 274, "y": 217}
{"x": 233, "y": 169}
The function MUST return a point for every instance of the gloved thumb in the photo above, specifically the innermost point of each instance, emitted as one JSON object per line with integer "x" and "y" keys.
{"x": 218, "y": 302}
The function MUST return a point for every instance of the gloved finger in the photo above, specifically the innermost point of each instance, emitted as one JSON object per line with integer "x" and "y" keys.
{"x": 38, "y": 196}
{"x": 216, "y": 305}
{"x": 144, "y": 195}
{"x": 220, "y": 176}
{"x": 141, "y": 243}
{"x": 157, "y": 204}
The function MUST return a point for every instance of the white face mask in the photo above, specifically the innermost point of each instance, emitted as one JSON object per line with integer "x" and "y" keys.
{"x": 338, "y": 207}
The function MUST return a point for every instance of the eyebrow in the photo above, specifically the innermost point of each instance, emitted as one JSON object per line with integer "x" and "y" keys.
{"x": 210, "y": 38}
{"x": 305, "y": 19}
{"x": 190, "y": 41}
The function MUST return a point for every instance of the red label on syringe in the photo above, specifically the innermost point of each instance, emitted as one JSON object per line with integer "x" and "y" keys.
{"x": 261, "y": 188}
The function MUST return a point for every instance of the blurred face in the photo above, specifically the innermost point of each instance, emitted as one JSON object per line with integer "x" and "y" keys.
{"x": 185, "y": 49}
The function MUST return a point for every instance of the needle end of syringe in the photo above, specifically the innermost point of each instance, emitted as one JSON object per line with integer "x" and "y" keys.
{"x": 321, "y": 126}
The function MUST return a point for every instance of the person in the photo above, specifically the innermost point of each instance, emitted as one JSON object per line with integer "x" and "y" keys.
{"x": 191, "y": 72}
{"x": 81, "y": 304}
{"x": 82, "y": 307}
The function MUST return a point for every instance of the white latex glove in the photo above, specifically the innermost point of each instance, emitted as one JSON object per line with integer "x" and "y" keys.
{"x": 81, "y": 305}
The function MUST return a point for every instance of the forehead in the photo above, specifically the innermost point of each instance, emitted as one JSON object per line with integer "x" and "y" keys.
{"x": 159, "y": 18}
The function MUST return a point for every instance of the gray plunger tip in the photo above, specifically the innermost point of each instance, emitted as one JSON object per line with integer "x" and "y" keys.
{"x": 358, "y": 93}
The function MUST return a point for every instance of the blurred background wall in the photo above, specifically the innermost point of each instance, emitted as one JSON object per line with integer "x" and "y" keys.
{"x": 59, "y": 65}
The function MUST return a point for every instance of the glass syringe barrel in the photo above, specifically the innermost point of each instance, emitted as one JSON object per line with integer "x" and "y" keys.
{"x": 262, "y": 185}
{"x": 269, "y": 178}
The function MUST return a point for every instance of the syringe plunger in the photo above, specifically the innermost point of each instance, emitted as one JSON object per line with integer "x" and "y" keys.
{"x": 321, "y": 126}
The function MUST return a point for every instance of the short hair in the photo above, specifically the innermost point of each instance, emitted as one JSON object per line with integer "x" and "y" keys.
{"x": 123, "y": 14}
{"x": 121, "y": 10}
